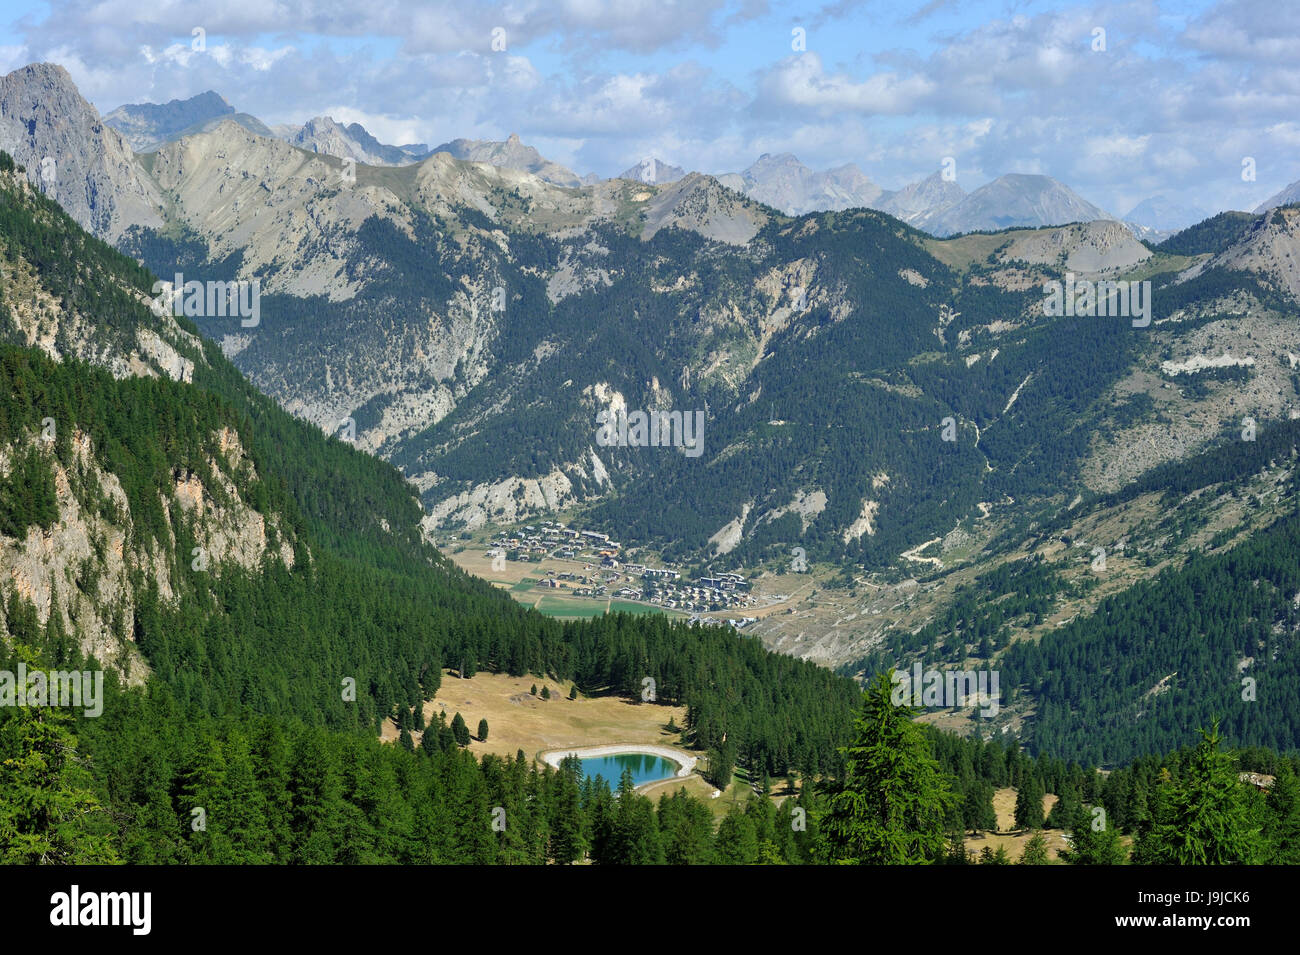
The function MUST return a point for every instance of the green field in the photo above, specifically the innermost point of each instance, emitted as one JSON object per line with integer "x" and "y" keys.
{"x": 580, "y": 607}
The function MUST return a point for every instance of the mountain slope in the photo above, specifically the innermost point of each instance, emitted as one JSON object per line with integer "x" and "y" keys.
{"x": 146, "y": 126}
{"x": 256, "y": 566}
{"x": 653, "y": 172}
{"x": 1011, "y": 201}
{"x": 784, "y": 183}
{"x": 928, "y": 197}
{"x": 322, "y": 135}
{"x": 1287, "y": 196}
{"x": 511, "y": 154}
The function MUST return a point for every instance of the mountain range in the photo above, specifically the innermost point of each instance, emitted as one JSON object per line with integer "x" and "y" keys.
{"x": 936, "y": 204}
{"x": 891, "y": 397}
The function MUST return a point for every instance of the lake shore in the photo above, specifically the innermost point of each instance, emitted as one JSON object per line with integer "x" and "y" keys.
{"x": 687, "y": 763}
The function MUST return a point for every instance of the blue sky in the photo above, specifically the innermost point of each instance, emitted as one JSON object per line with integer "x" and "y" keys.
{"x": 1178, "y": 95}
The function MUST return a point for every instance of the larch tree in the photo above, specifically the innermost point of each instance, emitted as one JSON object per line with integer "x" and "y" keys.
{"x": 889, "y": 806}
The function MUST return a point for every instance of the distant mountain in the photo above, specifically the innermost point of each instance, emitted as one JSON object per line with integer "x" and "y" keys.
{"x": 322, "y": 134}
{"x": 1284, "y": 198}
{"x": 930, "y": 196}
{"x": 784, "y": 183}
{"x": 511, "y": 154}
{"x": 1015, "y": 200}
{"x": 395, "y": 155}
{"x": 246, "y": 120}
{"x": 71, "y": 154}
{"x": 1162, "y": 214}
{"x": 147, "y": 126}
{"x": 653, "y": 172}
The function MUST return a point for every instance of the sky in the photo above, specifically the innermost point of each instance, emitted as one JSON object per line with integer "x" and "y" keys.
{"x": 1194, "y": 100}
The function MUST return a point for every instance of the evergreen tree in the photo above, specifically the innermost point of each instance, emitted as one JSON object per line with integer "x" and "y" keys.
{"x": 49, "y": 813}
{"x": 736, "y": 842}
{"x": 460, "y": 730}
{"x": 1204, "y": 816}
{"x": 687, "y": 829}
{"x": 1029, "y": 804}
{"x": 1065, "y": 809}
{"x": 1095, "y": 840}
{"x": 721, "y": 763}
{"x": 989, "y": 857}
{"x": 1035, "y": 851}
{"x": 978, "y": 812}
{"x": 889, "y": 806}
{"x": 1282, "y": 817}
{"x": 483, "y": 730}
{"x": 634, "y": 832}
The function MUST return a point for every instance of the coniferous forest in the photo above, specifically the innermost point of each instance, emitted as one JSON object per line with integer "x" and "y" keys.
{"x": 244, "y": 699}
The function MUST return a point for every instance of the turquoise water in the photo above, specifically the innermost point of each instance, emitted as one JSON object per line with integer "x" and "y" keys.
{"x": 645, "y": 768}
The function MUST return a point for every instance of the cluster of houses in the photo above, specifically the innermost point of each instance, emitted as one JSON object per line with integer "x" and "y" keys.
{"x": 554, "y": 539}
{"x": 607, "y": 574}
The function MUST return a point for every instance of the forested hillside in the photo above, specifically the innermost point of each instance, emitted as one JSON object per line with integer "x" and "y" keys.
{"x": 344, "y": 591}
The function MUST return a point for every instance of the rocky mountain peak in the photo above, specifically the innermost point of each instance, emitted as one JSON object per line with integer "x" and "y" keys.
{"x": 68, "y": 151}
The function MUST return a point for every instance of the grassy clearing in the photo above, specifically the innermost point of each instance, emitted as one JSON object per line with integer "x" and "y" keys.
{"x": 518, "y": 720}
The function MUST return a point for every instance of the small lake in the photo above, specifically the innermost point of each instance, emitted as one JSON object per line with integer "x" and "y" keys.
{"x": 645, "y": 767}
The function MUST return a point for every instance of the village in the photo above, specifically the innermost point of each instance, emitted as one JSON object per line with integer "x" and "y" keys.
{"x": 607, "y": 574}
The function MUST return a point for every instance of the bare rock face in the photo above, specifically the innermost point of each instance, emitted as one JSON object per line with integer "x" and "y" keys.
{"x": 82, "y": 567}
{"x": 699, "y": 203}
{"x": 511, "y": 154}
{"x": 1090, "y": 248}
{"x": 1011, "y": 201}
{"x": 785, "y": 183}
{"x": 653, "y": 172}
{"x": 929, "y": 197}
{"x": 146, "y": 126}
{"x": 69, "y": 153}
{"x": 249, "y": 193}
{"x": 322, "y": 134}
{"x": 1271, "y": 249}
{"x": 1289, "y": 195}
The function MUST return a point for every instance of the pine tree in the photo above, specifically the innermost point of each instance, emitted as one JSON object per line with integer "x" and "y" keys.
{"x": 49, "y": 813}
{"x": 721, "y": 763}
{"x": 1282, "y": 818}
{"x": 460, "y": 730}
{"x": 546, "y": 692}
{"x": 573, "y": 692}
{"x": 1035, "y": 851}
{"x": 989, "y": 857}
{"x": 978, "y": 813}
{"x": 1095, "y": 840}
{"x": 889, "y": 806}
{"x": 482, "y": 730}
{"x": 736, "y": 842}
{"x": 1029, "y": 804}
{"x": 1204, "y": 816}
{"x": 687, "y": 829}
{"x": 1065, "y": 809}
